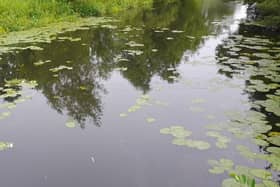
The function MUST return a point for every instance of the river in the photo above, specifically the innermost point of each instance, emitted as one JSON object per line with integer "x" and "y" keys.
{"x": 178, "y": 96}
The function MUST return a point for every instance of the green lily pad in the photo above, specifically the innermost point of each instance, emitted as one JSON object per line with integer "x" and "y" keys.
{"x": 179, "y": 141}
{"x": 216, "y": 170}
{"x": 4, "y": 115}
{"x": 274, "y": 140}
{"x": 59, "y": 68}
{"x": 222, "y": 141}
{"x": 134, "y": 44}
{"x": 230, "y": 183}
{"x": 198, "y": 144}
{"x": 70, "y": 123}
{"x": 260, "y": 142}
{"x": 274, "y": 150}
{"x": 41, "y": 62}
{"x": 220, "y": 166}
{"x": 123, "y": 115}
{"x": 269, "y": 183}
{"x": 165, "y": 131}
{"x": 261, "y": 173}
{"x": 6, "y": 145}
{"x": 150, "y": 120}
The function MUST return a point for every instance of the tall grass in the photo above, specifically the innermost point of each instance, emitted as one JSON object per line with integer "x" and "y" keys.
{"x": 268, "y": 11}
{"x": 24, "y": 14}
{"x": 101, "y": 7}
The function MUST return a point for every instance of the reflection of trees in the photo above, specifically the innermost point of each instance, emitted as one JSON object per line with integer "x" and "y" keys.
{"x": 79, "y": 92}
{"x": 178, "y": 15}
{"x": 242, "y": 62}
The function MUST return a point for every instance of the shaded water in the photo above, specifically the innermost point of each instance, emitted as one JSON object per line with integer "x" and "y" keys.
{"x": 97, "y": 121}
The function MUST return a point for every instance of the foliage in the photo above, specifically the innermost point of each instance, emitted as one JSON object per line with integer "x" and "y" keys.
{"x": 18, "y": 15}
{"x": 268, "y": 12}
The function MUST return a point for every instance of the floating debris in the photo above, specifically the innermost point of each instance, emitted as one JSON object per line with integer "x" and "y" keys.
{"x": 59, "y": 68}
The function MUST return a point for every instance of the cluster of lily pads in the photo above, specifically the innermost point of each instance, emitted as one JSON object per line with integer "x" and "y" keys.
{"x": 13, "y": 89}
{"x": 144, "y": 101}
{"x": 255, "y": 60}
{"x": 248, "y": 174}
{"x": 180, "y": 134}
{"x": 8, "y": 42}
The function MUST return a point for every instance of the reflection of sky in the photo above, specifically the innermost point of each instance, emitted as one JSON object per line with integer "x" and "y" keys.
{"x": 201, "y": 65}
{"x": 228, "y": 25}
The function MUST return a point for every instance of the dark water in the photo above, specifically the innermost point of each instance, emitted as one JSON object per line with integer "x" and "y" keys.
{"x": 192, "y": 78}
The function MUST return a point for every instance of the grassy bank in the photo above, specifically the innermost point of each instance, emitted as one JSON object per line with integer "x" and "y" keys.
{"x": 267, "y": 12}
{"x": 18, "y": 15}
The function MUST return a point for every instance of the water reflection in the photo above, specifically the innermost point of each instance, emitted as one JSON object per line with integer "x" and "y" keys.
{"x": 78, "y": 92}
{"x": 253, "y": 58}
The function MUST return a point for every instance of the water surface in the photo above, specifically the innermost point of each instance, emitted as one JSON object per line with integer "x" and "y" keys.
{"x": 186, "y": 64}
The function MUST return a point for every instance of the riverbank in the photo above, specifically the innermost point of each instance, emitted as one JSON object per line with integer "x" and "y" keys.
{"x": 265, "y": 14}
{"x": 19, "y": 15}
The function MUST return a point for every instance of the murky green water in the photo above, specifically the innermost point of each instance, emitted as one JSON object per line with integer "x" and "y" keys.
{"x": 177, "y": 96}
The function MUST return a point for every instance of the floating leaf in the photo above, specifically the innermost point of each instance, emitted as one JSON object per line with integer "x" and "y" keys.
{"x": 274, "y": 140}
{"x": 222, "y": 141}
{"x": 274, "y": 150}
{"x": 4, "y": 115}
{"x": 269, "y": 183}
{"x": 123, "y": 115}
{"x": 260, "y": 142}
{"x": 230, "y": 183}
{"x": 177, "y": 31}
{"x": 220, "y": 166}
{"x": 6, "y": 145}
{"x": 83, "y": 88}
{"x": 198, "y": 144}
{"x": 261, "y": 173}
{"x": 134, "y": 44}
{"x": 274, "y": 133}
{"x": 59, "y": 68}
{"x": 150, "y": 120}
{"x": 179, "y": 141}
{"x": 41, "y": 62}
{"x": 70, "y": 123}
{"x": 154, "y": 50}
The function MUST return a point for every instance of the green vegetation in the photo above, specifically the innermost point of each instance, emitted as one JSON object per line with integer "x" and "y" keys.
{"x": 18, "y": 15}
{"x": 267, "y": 12}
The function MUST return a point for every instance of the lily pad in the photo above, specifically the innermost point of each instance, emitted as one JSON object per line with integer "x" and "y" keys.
{"x": 70, "y": 123}
{"x": 150, "y": 120}
{"x": 123, "y": 115}
{"x": 269, "y": 183}
{"x": 274, "y": 140}
{"x": 41, "y": 62}
{"x": 179, "y": 141}
{"x": 274, "y": 150}
{"x": 198, "y": 144}
{"x": 230, "y": 183}
{"x": 261, "y": 173}
{"x": 6, "y": 145}
{"x": 59, "y": 68}
{"x": 220, "y": 166}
